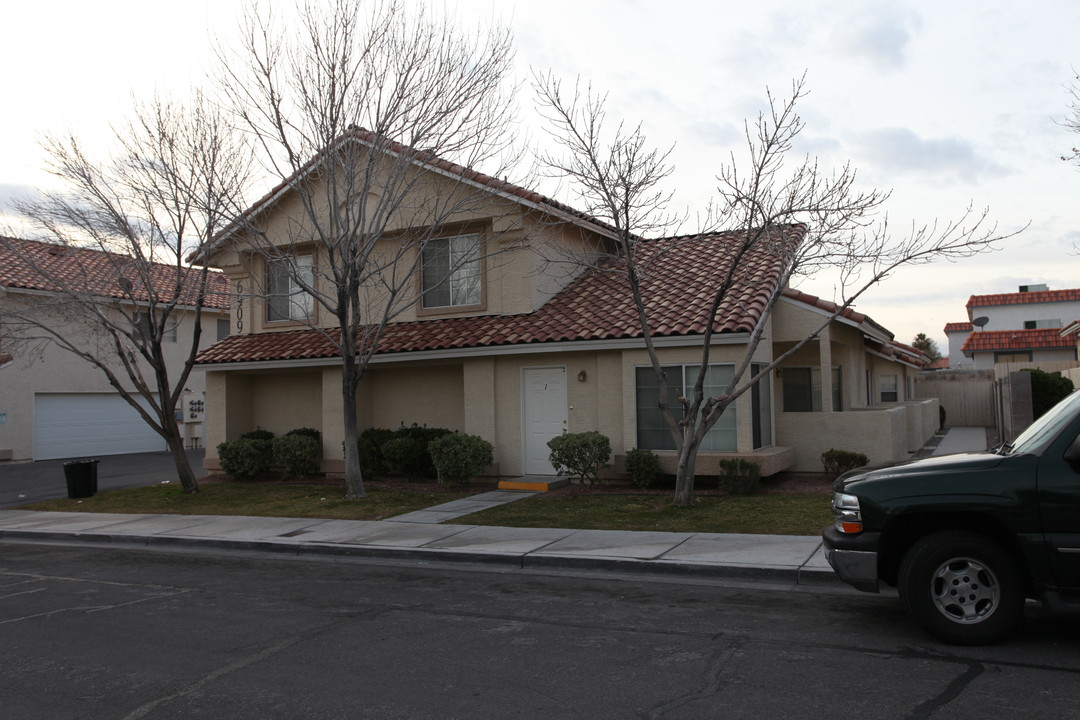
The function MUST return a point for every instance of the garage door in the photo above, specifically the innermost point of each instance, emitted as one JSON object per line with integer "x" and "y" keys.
{"x": 76, "y": 425}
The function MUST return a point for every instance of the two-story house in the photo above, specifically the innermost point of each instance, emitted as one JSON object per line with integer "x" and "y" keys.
{"x": 1023, "y": 326}
{"x": 519, "y": 349}
{"x": 54, "y": 404}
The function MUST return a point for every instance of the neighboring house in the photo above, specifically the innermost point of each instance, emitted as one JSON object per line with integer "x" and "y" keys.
{"x": 54, "y": 404}
{"x": 523, "y": 350}
{"x": 1024, "y": 326}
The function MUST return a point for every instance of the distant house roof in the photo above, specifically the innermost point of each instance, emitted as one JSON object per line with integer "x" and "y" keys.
{"x": 683, "y": 273}
{"x": 959, "y": 327}
{"x": 1024, "y": 298}
{"x": 1004, "y": 340}
{"x": 939, "y": 364}
{"x": 32, "y": 265}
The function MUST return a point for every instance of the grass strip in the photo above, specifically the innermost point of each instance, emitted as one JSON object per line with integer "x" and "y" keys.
{"x": 255, "y": 499}
{"x": 753, "y": 514}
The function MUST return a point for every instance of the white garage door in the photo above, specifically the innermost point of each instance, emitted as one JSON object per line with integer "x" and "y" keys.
{"x": 78, "y": 425}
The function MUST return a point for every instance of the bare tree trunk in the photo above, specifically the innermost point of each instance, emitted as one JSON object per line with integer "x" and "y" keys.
{"x": 354, "y": 479}
{"x": 684, "y": 472}
{"x": 184, "y": 472}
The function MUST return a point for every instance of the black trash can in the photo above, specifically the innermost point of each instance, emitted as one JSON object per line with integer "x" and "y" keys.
{"x": 81, "y": 477}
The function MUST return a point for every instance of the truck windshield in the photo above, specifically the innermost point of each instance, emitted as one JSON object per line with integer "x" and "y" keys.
{"x": 1047, "y": 426}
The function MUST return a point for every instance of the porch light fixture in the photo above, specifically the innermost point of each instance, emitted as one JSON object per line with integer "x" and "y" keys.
{"x": 581, "y": 376}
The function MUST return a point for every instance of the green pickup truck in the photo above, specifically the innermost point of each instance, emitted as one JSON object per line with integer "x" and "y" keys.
{"x": 967, "y": 538}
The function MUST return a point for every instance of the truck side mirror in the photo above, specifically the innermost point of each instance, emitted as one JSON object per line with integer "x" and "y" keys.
{"x": 1072, "y": 455}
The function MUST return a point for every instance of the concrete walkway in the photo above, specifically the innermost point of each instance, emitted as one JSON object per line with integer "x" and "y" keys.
{"x": 962, "y": 439}
{"x": 424, "y": 537}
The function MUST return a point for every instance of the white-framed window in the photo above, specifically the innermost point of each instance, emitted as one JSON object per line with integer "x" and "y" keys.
{"x": 451, "y": 272}
{"x": 286, "y": 298}
{"x": 889, "y": 388}
{"x": 802, "y": 389}
{"x": 653, "y": 432}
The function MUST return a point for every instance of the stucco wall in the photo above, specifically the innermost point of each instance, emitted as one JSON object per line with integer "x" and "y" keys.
{"x": 431, "y": 395}
{"x": 879, "y": 433}
{"x": 51, "y": 369}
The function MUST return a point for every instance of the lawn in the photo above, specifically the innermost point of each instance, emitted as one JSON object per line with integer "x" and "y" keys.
{"x": 790, "y": 514}
{"x": 756, "y": 514}
{"x": 271, "y": 499}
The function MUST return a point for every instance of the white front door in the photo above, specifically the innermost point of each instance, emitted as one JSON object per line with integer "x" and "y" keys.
{"x": 544, "y": 402}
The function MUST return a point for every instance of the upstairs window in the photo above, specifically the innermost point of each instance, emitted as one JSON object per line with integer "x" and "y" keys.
{"x": 286, "y": 298}
{"x": 451, "y": 272}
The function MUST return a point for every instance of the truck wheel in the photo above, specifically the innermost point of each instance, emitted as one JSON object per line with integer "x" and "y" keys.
{"x": 961, "y": 587}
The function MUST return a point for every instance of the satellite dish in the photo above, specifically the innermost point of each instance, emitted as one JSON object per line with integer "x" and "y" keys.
{"x": 980, "y": 321}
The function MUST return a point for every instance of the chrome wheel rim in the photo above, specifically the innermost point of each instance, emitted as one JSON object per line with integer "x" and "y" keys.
{"x": 965, "y": 590}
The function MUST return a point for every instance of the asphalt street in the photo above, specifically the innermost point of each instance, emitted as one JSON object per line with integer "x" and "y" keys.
{"x": 22, "y": 483}
{"x": 91, "y": 632}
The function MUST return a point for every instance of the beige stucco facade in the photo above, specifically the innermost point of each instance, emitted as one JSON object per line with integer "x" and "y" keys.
{"x": 46, "y": 368}
{"x": 486, "y": 390}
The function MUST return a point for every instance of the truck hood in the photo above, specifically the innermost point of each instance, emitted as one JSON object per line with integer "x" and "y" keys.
{"x": 938, "y": 466}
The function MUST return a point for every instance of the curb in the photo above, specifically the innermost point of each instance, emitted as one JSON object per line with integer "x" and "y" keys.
{"x": 800, "y": 576}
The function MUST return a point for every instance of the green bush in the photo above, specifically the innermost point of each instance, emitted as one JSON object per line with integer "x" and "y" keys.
{"x": 407, "y": 456}
{"x": 838, "y": 462}
{"x": 459, "y": 458}
{"x": 644, "y": 467}
{"x": 1047, "y": 390}
{"x": 738, "y": 476}
{"x": 370, "y": 445}
{"x": 245, "y": 458}
{"x": 581, "y": 455}
{"x": 258, "y": 434}
{"x": 307, "y": 432}
{"x": 297, "y": 455}
{"x": 941, "y": 417}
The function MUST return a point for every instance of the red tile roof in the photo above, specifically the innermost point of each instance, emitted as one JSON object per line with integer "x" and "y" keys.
{"x": 682, "y": 275}
{"x": 939, "y": 364}
{"x": 1002, "y": 340}
{"x": 959, "y": 327}
{"x": 831, "y": 307}
{"x": 1024, "y": 298}
{"x": 33, "y": 265}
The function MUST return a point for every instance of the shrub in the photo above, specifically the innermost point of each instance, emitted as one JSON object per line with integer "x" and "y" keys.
{"x": 297, "y": 454}
{"x": 258, "y": 434}
{"x": 738, "y": 476}
{"x": 941, "y": 417}
{"x": 459, "y": 458}
{"x": 643, "y": 466}
{"x": 581, "y": 455}
{"x": 307, "y": 432}
{"x": 245, "y": 458}
{"x": 1047, "y": 389}
{"x": 407, "y": 456}
{"x": 370, "y": 445}
{"x": 838, "y": 462}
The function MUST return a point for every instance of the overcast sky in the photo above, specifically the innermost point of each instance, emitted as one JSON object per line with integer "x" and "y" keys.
{"x": 948, "y": 104}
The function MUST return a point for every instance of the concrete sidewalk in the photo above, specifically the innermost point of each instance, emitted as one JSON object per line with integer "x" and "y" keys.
{"x": 788, "y": 559}
{"x": 423, "y": 537}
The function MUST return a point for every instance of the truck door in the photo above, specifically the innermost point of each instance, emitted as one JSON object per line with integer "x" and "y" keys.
{"x": 1059, "y": 508}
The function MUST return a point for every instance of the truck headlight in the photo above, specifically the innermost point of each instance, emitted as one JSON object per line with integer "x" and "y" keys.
{"x": 847, "y": 516}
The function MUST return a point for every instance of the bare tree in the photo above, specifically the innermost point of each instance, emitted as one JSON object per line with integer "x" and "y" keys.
{"x": 123, "y": 226}
{"x": 1072, "y": 120}
{"x": 370, "y": 114}
{"x": 786, "y": 213}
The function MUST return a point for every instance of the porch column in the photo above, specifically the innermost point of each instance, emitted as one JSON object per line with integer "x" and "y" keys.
{"x": 333, "y": 425}
{"x": 825, "y": 362}
{"x": 479, "y": 387}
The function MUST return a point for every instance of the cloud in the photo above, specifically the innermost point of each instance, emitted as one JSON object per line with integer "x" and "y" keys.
{"x": 941, "y": 160}
{"x": 9, "y": 192}
{"x": 879, "y": 34}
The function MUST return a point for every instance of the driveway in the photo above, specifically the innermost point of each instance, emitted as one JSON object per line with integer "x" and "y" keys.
{"x": 22, "y": 483}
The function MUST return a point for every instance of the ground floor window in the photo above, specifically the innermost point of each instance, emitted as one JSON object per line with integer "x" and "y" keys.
{"x": 653, "y": 432}
{"x": 802, "y": 390}
{"x": 889, "y": 388}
